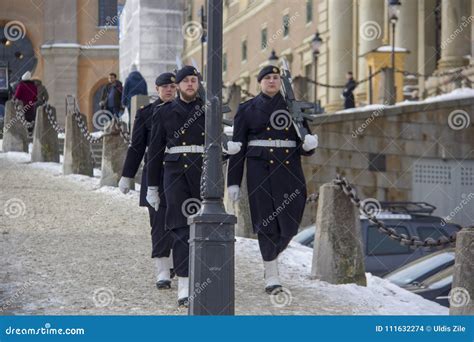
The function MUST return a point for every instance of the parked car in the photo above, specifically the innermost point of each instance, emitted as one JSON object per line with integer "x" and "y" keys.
{"x": 435, "y": 288}
{"x": 419, "y": 270}
{"x": 384, "y": 255}
{"x": 429, "y": 276}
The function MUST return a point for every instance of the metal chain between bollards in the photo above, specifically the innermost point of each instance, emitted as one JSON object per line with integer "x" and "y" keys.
{"x": 52, "y": 120}
{"x": 412, "y": 242}
{"x": 83, "y": 127}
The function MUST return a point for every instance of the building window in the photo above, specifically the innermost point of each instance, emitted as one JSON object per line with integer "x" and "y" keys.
{"x": 309, "y": 11}
{"x": 108, "y": 13}
{"x": 224, "y": 62}
{"x": 286, "y": 25}
{"x": 264, "y": 38}
{"x": 244, "y": 50}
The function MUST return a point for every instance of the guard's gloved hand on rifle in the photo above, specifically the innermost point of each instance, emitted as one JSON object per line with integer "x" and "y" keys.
{"x": 234, "y": 192}
{"x": 152, "y": 197}
{"x": 233, "y": 147}
{"x": 310, "y": 142}
{"x": 125, "y": 184}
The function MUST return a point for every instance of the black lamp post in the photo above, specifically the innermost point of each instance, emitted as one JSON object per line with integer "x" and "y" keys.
{"x": 316, "y": 46}
{"x": 211, "y": 242}
{"x": 273, "y": 59}
{"x": 393, "y": 13}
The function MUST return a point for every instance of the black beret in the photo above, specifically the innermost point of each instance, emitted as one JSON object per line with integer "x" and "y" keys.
{"x": 269, "y": 69}
{"x": 165, "y": 78}
{"x": 187, "y": 70}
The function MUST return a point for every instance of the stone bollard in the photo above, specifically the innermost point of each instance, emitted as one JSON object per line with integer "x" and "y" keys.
{"x": 45, "y": 138}
{"x": 461, "y": 297}
{"x": 114, "y": 151}
{"x": 337, "y": 255}
{"x": 77, "y": 150}
{"x": 15, "y": 135}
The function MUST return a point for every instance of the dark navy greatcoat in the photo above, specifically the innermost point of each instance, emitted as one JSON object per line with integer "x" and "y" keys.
{"x": 275, "y": 179}
{"x": 177, "y": 124}
{"x": 141, "y": 136}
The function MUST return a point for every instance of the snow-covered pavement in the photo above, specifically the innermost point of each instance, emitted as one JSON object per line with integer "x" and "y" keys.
{"x": 69, "y": 247}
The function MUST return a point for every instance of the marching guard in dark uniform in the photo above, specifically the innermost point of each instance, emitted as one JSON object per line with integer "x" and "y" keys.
{"x": 275, "y": 179}
{"x": 175, "y": 154}
{"x": 178, "y": 131}
{"x": 161, "y": 239}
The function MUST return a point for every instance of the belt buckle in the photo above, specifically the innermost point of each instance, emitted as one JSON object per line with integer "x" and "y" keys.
{"x": 278, "y": 143}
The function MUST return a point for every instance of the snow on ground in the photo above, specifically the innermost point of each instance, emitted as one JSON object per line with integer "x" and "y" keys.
{"x": 82, "y": 238}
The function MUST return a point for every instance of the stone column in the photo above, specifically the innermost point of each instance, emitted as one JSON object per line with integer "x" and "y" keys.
{"x": 337, "y": 255}
{"x": 406, "y": 33}
{"x": 340, "y": 49}
{"x": 462, "y": 291}
{"x": 61, "y": 52}
{"x": 15, "y": 135}
{"x": 45, "y": 138}
{"x": 114, "y": 151}
{"x": 370, "y": 37}
{"x": 455, "y": 34}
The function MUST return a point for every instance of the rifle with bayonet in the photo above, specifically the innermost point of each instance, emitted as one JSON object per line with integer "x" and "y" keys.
{"x": 298, "y": 110}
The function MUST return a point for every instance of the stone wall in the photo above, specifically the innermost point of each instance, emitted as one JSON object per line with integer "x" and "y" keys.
{"x": 402, "y": 135}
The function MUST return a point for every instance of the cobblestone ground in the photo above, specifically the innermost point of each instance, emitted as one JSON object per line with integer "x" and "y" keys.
{"x": 70, "y": 248}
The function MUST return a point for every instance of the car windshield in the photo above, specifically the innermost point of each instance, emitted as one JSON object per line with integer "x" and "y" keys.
{"x": 418, "y": 268}
{"x": 440, "y": 279}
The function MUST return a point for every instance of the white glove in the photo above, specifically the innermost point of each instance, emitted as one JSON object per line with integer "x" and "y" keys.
{"x": 152, "y": 197}
{"x": 310, "y": 142}
{"x": 125, "y": 184}
{"x": 234, "y": 192}
{"x": 233, "y": 147}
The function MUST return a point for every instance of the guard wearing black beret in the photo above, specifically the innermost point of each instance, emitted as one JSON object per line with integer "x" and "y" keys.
{"x": 161, "y": 240}
{"x": 175, "y": 155}
{"x": 275, "y": 180}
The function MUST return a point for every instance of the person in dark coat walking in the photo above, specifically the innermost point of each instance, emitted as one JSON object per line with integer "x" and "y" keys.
{"x": 27, "y": 92}
{"x": 178, "y": 128}
{"x": 348, "y": 92}
{"x": 111, "y": 98}
{"x": 135, "y": 84}
{"x": 161, "y": 240}
{"x": 275, "y": 179}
